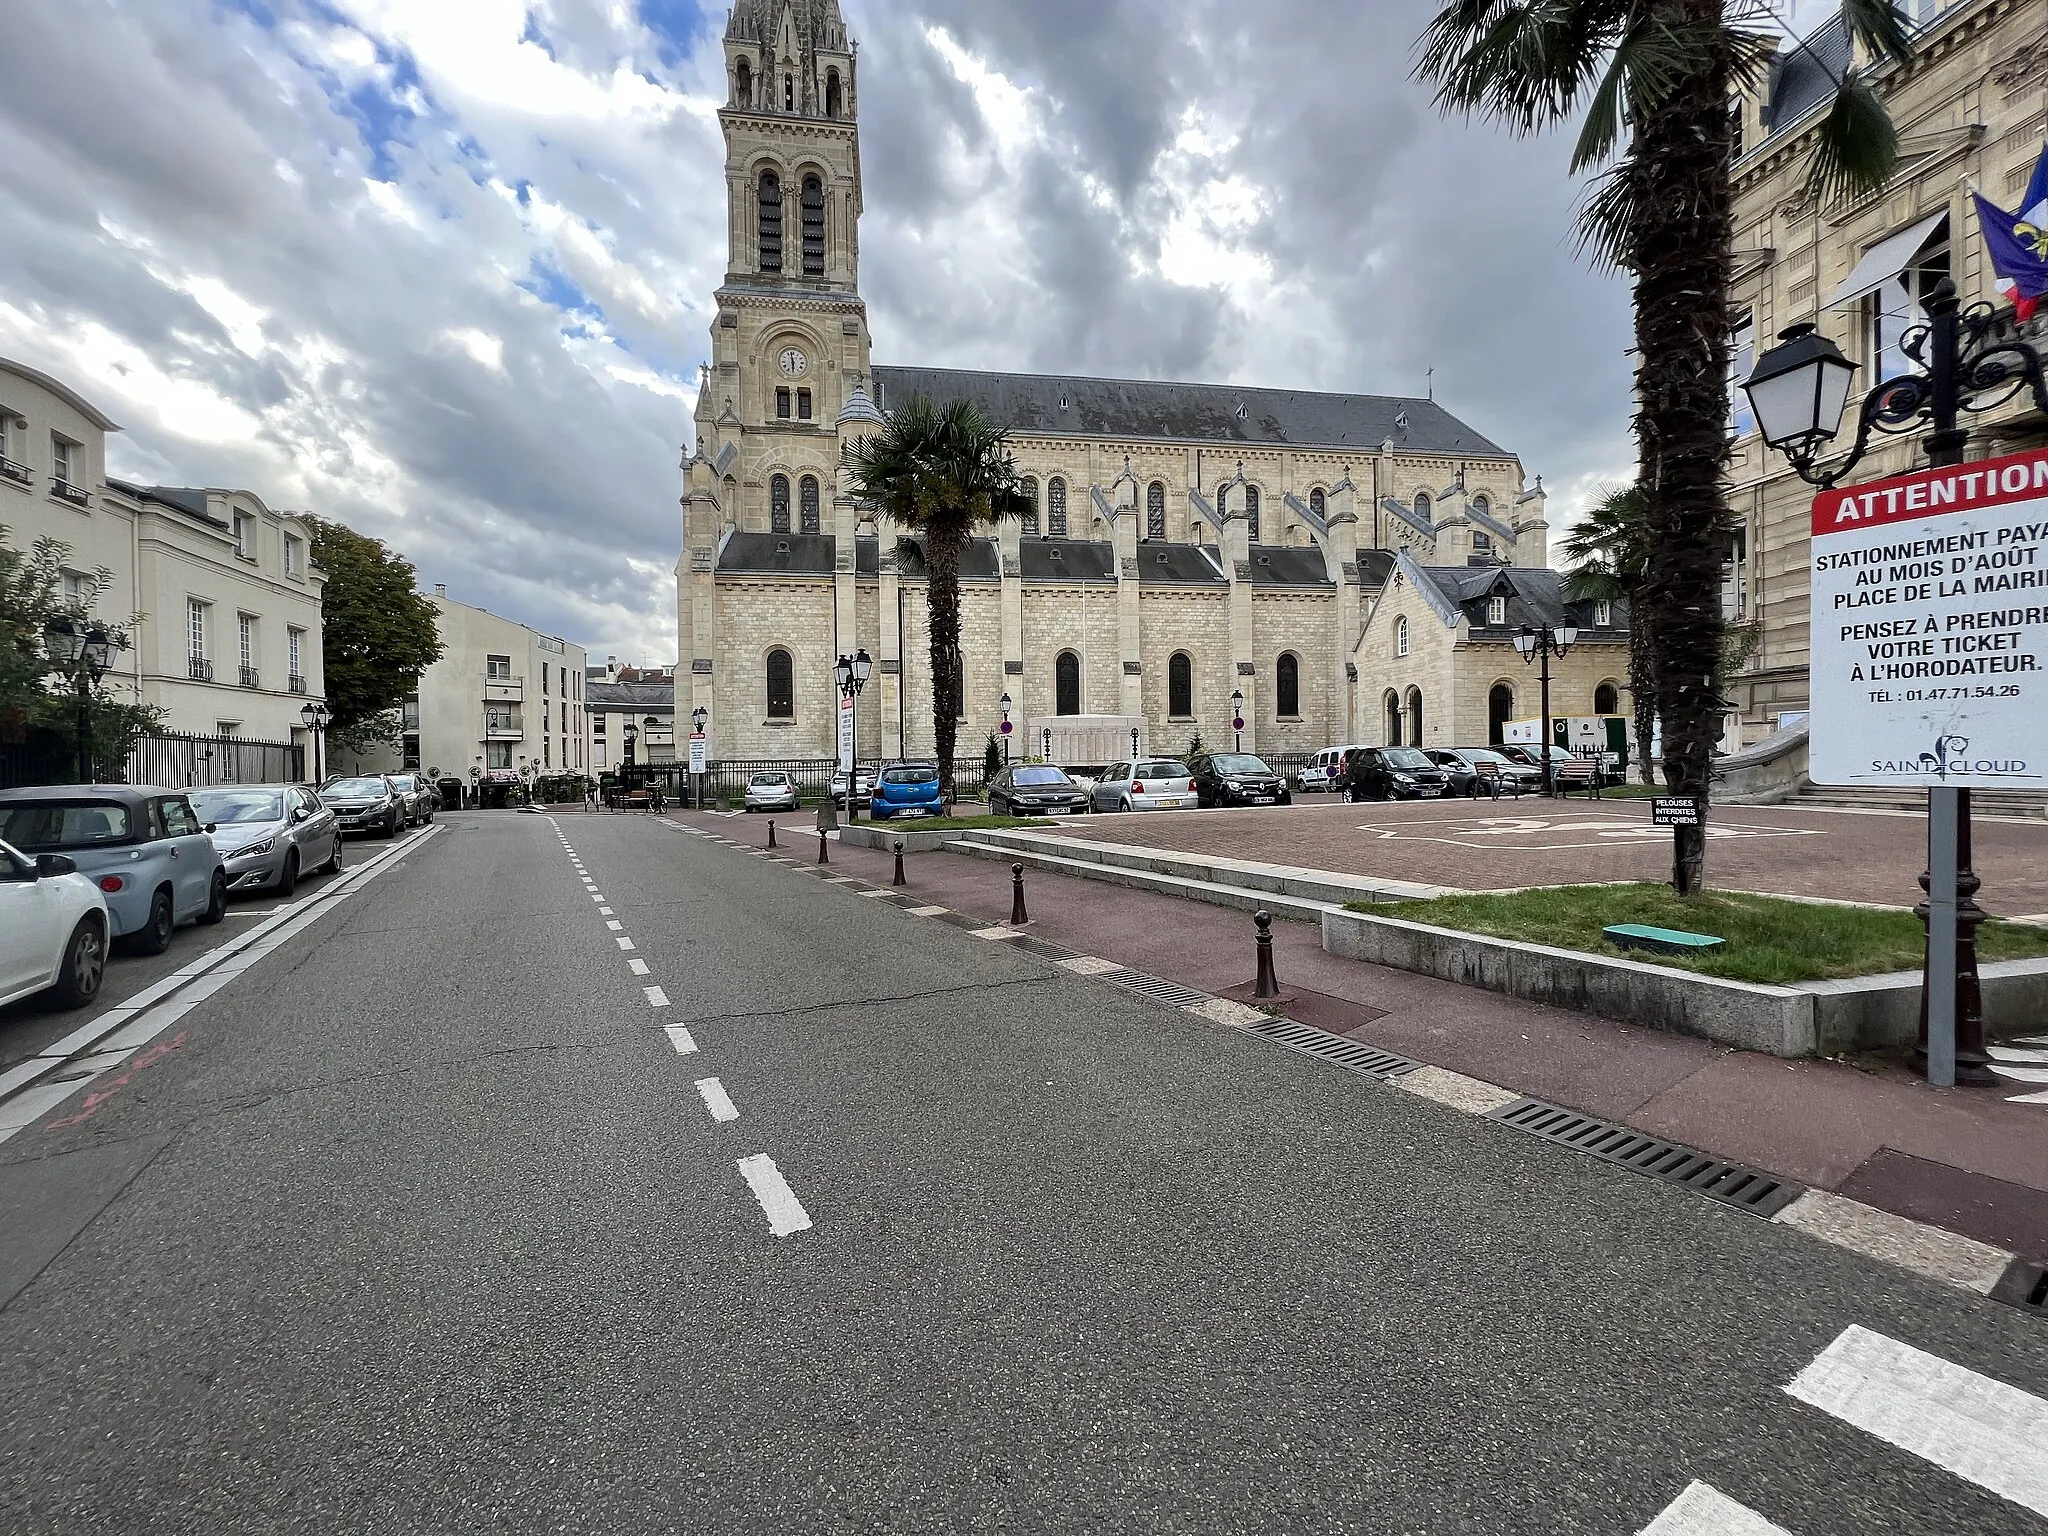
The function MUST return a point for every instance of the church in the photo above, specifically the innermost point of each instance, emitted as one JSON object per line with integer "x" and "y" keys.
{"x": 1196, "y": 550}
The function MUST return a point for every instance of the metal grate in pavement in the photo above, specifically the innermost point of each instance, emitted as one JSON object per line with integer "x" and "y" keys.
{"x": 1334, "y": 1049}
{"x": 1761, "y": 1194}
{"x": 1158, "y": 988}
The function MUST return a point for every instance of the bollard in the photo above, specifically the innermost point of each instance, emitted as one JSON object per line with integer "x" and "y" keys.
{"x": 1017, "y": 914}
{"x": 899, "y": 880}
{"x": 1269, "y": 985}
{"x": 824, "y": 848}
{"x": 771, "y": 834}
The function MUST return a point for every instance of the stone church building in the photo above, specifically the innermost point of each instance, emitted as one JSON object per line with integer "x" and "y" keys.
{"x": 1190, "y": 540}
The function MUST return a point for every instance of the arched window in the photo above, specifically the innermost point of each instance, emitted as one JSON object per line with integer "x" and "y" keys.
{"x": 1500, "y": 709}
{"x": 1251, "y": 513}
{"x": 789, "y": 93}
{"x": 1180, "y": 686}
{"x": 771, "y": 222}
{"x": 1287, "y": 686}
{"x": 1029, "y": 486}
{"x": 1482, "y": 505}
{"x": 1319, "y": 504}
{"x": 1155, "y": 510}
{"x": 1482, "y": 542}
{"x": 814, "y": 227}
{"x": 1401, "y": 635}
{"x": 778, "y": 504}
{"x": 743, "y": 84}
{"x": 731, "y": 506}
{"x": 833, "y": 104}
{"x": 1056, "y": 508}
{"x": 1222, "y": 502}
{"x": 781, "y": 686}
{"x": 1393, "y": 704}
{"x": 1422, "y": 505}
{"x": 1606, "y": 700}
{"x": 807, "y": 504}
{"x": 1414, "y": 717}
{"x": 1066, "y": 682}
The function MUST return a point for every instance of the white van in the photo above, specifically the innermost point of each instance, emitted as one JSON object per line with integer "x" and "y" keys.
{"x": 1322, "y": 772}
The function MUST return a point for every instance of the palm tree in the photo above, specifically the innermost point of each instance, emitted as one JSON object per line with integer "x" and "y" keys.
{"x": 939, "y": 471}
{"x": 1654, "y": 79}
{"x": 1609, "y": 553}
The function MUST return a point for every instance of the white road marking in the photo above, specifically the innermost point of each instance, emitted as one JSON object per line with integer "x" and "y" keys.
{"x": 679, "y": 1037}
{"x": 613, "y": 923}
{"x": 1705, "y": 1511}
{"x": 997, "y": 933}
{"x": 1081, "y": 965}
{"x": 716, "y": 1099}
{"x": 784, "y": 1211}
{"x": 656, "y": 998}
{"x": 604, "y": 911}
{"x": 625, "y": 943}
{"x": 637, "y": 966}
{"x": 931, "y": 912}
{"x": 1991, "y": 1434}
{"x": 1926, "y": 1250}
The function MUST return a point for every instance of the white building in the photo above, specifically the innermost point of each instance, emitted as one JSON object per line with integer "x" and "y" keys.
{"x": 228, "y": 639}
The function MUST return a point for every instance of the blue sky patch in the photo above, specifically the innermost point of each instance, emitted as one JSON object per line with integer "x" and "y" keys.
{"x": 675, "y": 25}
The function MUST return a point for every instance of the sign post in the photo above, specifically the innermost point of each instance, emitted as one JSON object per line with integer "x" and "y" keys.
{"x": 698, "y": 749}
{"x": 1930, "y": 670}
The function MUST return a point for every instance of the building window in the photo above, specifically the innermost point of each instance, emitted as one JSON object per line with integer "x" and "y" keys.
{"x": 771, "y": 222}
{"x": 1222, "y": 502}
{"x": 1180, "y": 686}
{"x": 1422, "y": 506}
{"x": 803, "y": 405}
{"x": 1287, "y": 686}
{"x": 497, "y": 754}
{"x": 292, "y": 563}
{"x": 498, "y": 667}
{"x": 1319, "y": 504}
{"x": 1393, "y": 711}
{"x": 807, "y": 492}
{"x": 409, "y": 713}
{"x": 782, "y": 405}
{"x": 1482, "y": 542}
{"x": 814, "y": 227}
{"x": 1056, "y": 507}
{"x": 294, "y": 640}
{"x": 1899, "y": 305}
{"x": 1741, "y": 360}
{"x": 597, "y": 725}
{"x": 789, "y": 93}
{"x": 1606, "y": 700}
{"x": 246, "y": 626}
{"x": 1500, "y": 709}
{"x": 544, "y": 689}
{"x": 1029, "y": 487}
{"x": 547, "y": 753}
{"x": 195, "y": 629}
{"x": 1603, "y": 614}
{"x": 61, "y": 466}
{"x": 1496, "y": 611}
{"x": 1481, "y": 505}
{"x": 778, "y": 504}
{"x": 1155, "y": 510}
{"x": 1414, "y": 717}
{"x": 76, "y": 589}
{"x": 1251, "y": 513}
{"x": 743, "y": 84}
{"x": 1066, "y": 683}
{"x": 1401, "y": 635}
{"x": 834, "y": 102}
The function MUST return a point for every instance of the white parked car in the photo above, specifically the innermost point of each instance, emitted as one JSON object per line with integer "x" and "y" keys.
{"x": 53, "y": 929}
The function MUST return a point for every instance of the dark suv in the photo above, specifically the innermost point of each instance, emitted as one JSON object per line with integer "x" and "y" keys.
{"x": 1236, "y": 778}
{"x": 1392, "y": 773}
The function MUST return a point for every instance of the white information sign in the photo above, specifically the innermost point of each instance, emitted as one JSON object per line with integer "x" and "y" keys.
{"x": 696, "y": 752}
{"x": 846, "y": 733}
{"x": 1930, "y": 628}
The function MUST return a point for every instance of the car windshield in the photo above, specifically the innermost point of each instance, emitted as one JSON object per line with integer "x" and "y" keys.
{"x": 1407, "y": 757}
{"x": 405, "y": 781}
{"x": 1041, "y": 776}
{"x": 227, "y": 806}
{"x": 769, "y": 780}
{"x": 1484, "y": 755}
{"x": 1239, "y": 762}
{"x": 348, "y": 788}
{"x": 910, "y": 775}
{"x": 1161, "y": 770}
{"x": 38, "y": 826}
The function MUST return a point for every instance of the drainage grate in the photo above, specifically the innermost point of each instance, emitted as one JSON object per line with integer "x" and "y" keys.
{"x": 2024, "y": 1285}
{"x": 1761, "y": 1194}
{"x": 1334, "y": 1049}
{"x": 1158, "y": 988}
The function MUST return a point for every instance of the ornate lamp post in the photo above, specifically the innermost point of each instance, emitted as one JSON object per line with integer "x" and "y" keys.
{"x": 1006, "y": 702}
{"x": 316, "y": 717}
{"x": 1800, "y": 392}
{"x": 81, "y": 653}
{"x": 1237, "y": 717}
{"x": 1544, "y": 643}
{"x": 851, "y": 672}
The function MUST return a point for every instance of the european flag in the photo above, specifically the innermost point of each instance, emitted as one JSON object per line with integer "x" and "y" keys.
{"x": 2018, "y": 242}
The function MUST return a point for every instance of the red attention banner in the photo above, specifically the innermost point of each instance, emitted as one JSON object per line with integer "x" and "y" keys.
{"x": 1933, "y": 493}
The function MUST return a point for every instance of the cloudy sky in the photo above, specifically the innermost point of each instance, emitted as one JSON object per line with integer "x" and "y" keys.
{"x": 442, "y": 268}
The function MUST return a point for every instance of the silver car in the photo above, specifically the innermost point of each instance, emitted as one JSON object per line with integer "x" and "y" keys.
{"x": 269, "y": 834}
{"x": 421, "y": 798}
{"x": 771, "y": 790}
{"x": 1150, "y": 784}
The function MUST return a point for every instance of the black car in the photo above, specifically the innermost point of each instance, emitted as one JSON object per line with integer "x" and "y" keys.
{"x": 1236, "y": 778}
{"x": 1035, "y": 789}
{"x": 1392, "y": 773}
{"x": 367, "y": 802}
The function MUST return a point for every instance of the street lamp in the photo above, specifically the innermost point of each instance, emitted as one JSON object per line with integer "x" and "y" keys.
{"x": 1800, "y": 392}
{"x": 1542, "y": 643}
{"x": 1237, "y": 717}
{"x": 1006, "y": 702}
{"x": 316, "y": 717}
{"x": 851, "y": 672}
{"x": 82, "y": 654}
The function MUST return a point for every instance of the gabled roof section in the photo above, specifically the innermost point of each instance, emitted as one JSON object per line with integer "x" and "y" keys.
{"x": 979, "y": 561}
{"x": 1194, "y": 413}
{"x": 1066, "y": 560}
{"x": 1804, "y": 75}
{"x": 1534, "y": 597}
{"x": 1180, "y": 565}
{"x": 776, "y": 554}
{"x": 62, "y": 391}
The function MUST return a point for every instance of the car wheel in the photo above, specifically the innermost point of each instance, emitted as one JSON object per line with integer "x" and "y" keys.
{"x": 154, "y": 936}
{"x": 394, "y": 825}
{"x": 288, "y": 877}
{"x": 85, "y": 965}
{"x": 216, "y": 899}
{"x": 333, "y": 865}
{"x": 1126, "y": 806}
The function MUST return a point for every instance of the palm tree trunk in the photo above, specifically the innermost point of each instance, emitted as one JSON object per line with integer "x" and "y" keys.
{"x": 943, "y": 541}
{"x": 1642, "y": 687}
{"x": 1683, "y": 239}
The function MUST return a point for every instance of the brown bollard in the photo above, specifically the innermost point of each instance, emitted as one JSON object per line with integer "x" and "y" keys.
{"x": 899, "y": 880}
{"x": 1269, "y": 984}
{"x": 824, "y": 847}
{"x": 771, "y": 834}
{"x": 1018, "y": 916}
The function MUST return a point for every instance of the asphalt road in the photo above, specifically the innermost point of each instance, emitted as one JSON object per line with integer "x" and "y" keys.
{"x": 424, "y": 1224}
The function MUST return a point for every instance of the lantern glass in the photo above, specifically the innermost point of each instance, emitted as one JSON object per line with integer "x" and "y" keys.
{"x": 842, "y": 673}
{"x": 1799, "y": 389}
{"x": 98, "y": 648}
{"x": 1525, "y": 642}
{"x": 862, "y": 665}
{"x": 1567, "y": 635}
{"x": 64, "y": 640}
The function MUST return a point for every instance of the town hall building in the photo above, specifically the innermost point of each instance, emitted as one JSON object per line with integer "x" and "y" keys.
{"x": 1190, "y": 541}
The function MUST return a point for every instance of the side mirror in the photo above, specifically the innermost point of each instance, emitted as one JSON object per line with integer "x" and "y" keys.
{"x": 210, "y": 826}
{"x": 48, "y": 864}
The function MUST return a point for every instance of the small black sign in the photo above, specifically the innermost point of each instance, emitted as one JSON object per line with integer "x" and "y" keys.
{"x": 1683, "y": 811}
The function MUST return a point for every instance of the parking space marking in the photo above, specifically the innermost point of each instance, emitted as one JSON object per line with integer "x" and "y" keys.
{"x": 779, "y": 1203}
{"x": 656, "y": 998}
{"x": 716, "y": 1099}
{"x": 637, "y": 966}
{"x": 679, "y": 1037}
{"x": 1705, "y": 1511}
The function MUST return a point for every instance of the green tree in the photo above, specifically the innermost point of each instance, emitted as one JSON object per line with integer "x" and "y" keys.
{"x": 941, "y": 471}
{"x": 1609, "y": 554}
{"x": 377, "y": 633}
{"x": 991, "y": 761}
{"x": 1652, "y": 81}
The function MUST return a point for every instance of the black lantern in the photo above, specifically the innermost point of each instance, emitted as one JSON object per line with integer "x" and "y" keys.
{"x": 1799, "y": 390}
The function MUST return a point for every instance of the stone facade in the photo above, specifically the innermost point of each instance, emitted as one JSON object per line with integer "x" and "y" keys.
{"x": 1216, "y": 524}
{"x": 1969, "y": 109}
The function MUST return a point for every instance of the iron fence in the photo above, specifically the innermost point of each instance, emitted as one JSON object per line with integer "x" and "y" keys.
{"x": 182, "y": 762}
{"x": 43, "y": 758}
{"x": 727, "y": 778}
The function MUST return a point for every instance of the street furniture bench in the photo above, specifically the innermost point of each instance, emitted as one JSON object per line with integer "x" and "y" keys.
{"x": 1488, "y": 779}
{"x": 1660, "y": 941}
{"x": 633, "y": 800}
{"x": 1580, "y": 772}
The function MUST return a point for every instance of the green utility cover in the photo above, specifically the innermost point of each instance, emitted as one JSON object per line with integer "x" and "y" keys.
{"x": 1662, "y": 941}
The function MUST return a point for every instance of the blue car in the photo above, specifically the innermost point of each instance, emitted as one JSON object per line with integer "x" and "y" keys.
{"x": 906, "y": 789}
{"x": 144, "y": 848}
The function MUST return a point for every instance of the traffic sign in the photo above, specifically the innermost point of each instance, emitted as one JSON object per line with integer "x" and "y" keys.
{"x": 697, "y": 749}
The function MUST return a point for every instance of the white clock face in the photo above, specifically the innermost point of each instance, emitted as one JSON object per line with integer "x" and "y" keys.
{"x": 793, "y": 361}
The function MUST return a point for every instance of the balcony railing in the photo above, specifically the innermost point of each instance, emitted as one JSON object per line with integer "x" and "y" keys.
{"x": 297, "y": 682}
{"x": 504, "y": 730}
{"x": 19, "y": 473}
{"x": 64, "y": 490}
{"x": 199, "y": 669}
{"x": 504, "y": 688}
{"x": 250, "y": 678}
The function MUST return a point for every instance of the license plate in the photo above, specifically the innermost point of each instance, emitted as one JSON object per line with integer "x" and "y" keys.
{"x": 1262, "y": 799}
{"x": 1173, "y": 804}
{"x": 1059, "y": 810}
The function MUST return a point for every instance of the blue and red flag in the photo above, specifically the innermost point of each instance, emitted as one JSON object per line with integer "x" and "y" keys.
{"x": 2018, "y": 242}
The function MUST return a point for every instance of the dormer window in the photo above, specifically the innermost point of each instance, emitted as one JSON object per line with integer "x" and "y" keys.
{"x": 1496, "y": 611}
{"x": 245, "y": 536}
{"x": 63, "y": 467}
{"x": 1603, "y": 614}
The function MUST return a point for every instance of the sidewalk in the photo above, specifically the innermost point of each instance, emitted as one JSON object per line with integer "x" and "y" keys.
{"x": 1962, "y": 1158}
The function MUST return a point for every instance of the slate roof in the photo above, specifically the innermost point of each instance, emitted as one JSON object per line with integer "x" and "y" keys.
{"x": 1177, "y": 565}
{"x": 1044, "y": 559}
{"x": 631, "y": 696}
{"x": 191, "y": 502}
{"x": 1535, "y": 597}
{"x": 1289, "y": 565}
{"x": 1194, "y": 413}
{"x": 812, "y": 554}
{"x": 1804, "y": 74}
{"x": 980, "y": 561}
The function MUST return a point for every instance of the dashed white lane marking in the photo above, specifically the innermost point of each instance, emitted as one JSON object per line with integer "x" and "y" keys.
{"x": 1705, "y": 1511}
{"x": 679, "y": 1037}
{"x": 625, "y": 943}
{"x": 1994, "y": 1435}
{"x": 1081, "y": 965}
{"x": 637, "y": 966}
{"x": 997, "y": 933}
{"x": 604, "y": 911}
{"x": 716, "y": 1099}
{"x": 784, "y": 1211}
{"x": 656, "y": 998}
{"x": 931, "y": 912}
{"x": 595, "y": 897}
{"x": 877, "y": 893}
{"x": 613, "y": 924}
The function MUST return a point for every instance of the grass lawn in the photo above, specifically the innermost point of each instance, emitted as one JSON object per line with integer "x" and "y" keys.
{"x": 1770, "y": 940}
